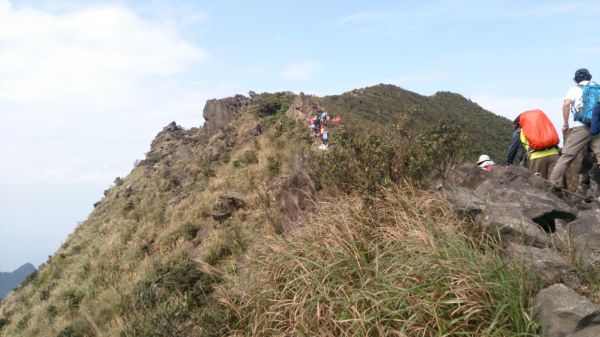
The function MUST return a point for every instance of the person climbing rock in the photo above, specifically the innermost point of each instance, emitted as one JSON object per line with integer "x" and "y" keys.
{"x": 486, "y": 163}
{"x": 579, "y": 101}
{"x": 539, "y": 138}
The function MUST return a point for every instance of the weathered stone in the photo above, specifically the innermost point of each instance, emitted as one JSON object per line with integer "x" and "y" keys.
{"x": 468, "y": 176}
{"x": 560, "y": 309}
{"x": 219, "y": 113}
{"x": 510, "y": 225}
{"x": 464, "y": 200}
{"x": 545, "y": 263}
{"x": 227, "y": 204}
{"x": 585, "y": 236}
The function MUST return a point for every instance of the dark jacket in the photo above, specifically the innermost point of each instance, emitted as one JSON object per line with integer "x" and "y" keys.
{"x": 513, "y": 149}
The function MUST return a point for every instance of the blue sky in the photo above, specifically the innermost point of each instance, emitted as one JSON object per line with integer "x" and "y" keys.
{"x": 86, "y": 85}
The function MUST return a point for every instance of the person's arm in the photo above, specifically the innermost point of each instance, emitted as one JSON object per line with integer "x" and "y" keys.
{"x": 513, "y": 148}
{"x": 565, "y": 110}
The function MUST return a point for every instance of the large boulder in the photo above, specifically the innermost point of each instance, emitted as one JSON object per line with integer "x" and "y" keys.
{"x": 561, "y": 312}
{"x": 509, "y": 202}
{"x": 219, "y": 113}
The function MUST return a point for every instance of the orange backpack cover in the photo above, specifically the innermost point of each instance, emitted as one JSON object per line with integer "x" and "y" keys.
{"x": 538, "y": 129}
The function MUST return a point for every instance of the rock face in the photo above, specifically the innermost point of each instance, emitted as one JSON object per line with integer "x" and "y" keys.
{"x": 510, "y": 202}
{"x": 537, "y": 228}
{"x": 219, "y": 113}
{"x": 584, "y": 233}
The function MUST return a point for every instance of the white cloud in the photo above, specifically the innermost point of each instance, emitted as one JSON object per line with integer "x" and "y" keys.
{"x": 300, "y": 71}
{"x": 99, "y": 81}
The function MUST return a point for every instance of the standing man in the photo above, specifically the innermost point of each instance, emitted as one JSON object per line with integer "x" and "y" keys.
{"x": 578, "y": 102}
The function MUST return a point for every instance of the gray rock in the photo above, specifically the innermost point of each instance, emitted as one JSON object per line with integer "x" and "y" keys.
{"x": 227, "y": 204}
{"x": 511, "y": 200}
{"x": 509, "y": 224}
{"x": 544, "y": 262}
{"x": 219, "y": 113}
{"x": 560, "y": 309}
{"x": 585, "y": 236}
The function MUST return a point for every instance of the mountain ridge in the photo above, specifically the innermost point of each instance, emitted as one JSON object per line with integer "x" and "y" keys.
{"x": 154, "y": 253}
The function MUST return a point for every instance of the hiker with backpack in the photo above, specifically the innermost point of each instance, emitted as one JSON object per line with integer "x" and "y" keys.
{"x": 317, "y": 125}
{"x": 325, "y": 136}
{"x": 539, "y": 139}
{"x": 312, "y": 125}
{"x": 580, "y": 101}
{"x": 516, "y": 146}
{"x": 324, "y": 117}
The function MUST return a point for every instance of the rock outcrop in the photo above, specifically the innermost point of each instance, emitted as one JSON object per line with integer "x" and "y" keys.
{"x": 302, "y": 107}
{"x": 219, "y": 113}
{"x": 538, "y": 228}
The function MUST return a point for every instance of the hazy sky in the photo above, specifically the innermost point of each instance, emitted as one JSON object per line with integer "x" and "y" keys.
{"x": 86, "y": 85}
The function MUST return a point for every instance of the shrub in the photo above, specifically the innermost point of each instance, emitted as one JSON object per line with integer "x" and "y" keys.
{"x": 51, "y": 311}
{"x": 435, "y": 153}
{"x": 72, "y": 299}
{"x": 78, "y": 328}
{"x": 179, "y": 275}
{"x": 249, "y": 157}
{"x": 3, "y": 322}
{"x": 273, "y": 166}
{"x": 267, "y": 104}
{"x": 24, "y": 321}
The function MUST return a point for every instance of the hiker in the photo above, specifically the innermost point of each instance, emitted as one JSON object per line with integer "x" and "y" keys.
{"x": 325, "y": 136}
{"x": 312, "y": 125}
{"x": 486, "y": 163}
{"x": 539, "y": 140}
{"x": 516, "y": 146}
{"x": 318, "y": 122}
{"x": 580, "y": 101}
{"x": 324, "y": 117}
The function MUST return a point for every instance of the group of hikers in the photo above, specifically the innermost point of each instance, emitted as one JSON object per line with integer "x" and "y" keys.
{"x": 536, "y": 136}
{"x": 318, "y": 126}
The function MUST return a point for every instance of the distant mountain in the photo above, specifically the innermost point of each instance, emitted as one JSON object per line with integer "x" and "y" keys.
{"x": 9, "y": 281}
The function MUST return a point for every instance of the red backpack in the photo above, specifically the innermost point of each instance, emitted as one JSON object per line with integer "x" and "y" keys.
{"x": 538, "y": 129}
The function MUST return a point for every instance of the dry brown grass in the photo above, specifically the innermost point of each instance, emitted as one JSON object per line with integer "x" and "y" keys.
{"x": 408, "y": 266}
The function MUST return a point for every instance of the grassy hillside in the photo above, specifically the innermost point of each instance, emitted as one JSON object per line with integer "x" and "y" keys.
{"x": 256, "y": 232}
